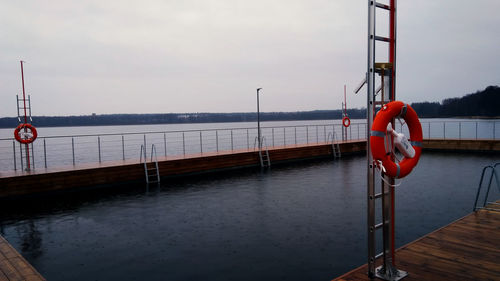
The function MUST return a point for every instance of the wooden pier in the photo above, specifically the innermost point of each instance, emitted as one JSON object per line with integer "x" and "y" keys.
{"x": 13, "y": 267}
{"x": 467, "y": 249}
{"x": 16, "y": 183}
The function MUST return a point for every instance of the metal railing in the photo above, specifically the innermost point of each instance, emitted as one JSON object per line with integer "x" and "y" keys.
{"x": 63, "y": 150}
{"x": 51, "y": 151}
{"x": 494, "y": 174}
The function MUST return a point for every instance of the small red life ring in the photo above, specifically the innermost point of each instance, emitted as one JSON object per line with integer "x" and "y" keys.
{"x": 395, "y": 109}
{"x": 25, "y": 137}
{"x": 346, "y": 121}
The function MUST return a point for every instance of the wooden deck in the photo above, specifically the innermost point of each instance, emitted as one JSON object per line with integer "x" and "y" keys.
{"x": 17, "y": 183}
{"x": 13, "y": 267}
{"x": 468, "y": 249}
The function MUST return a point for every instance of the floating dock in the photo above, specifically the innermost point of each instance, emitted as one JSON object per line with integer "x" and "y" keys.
{"x": 40, "y": 180}
{"x": 467, "y": 249}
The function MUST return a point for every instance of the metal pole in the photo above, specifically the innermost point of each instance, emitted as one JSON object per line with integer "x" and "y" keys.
{"x": 459, "y": 130}
{"x": 99, "y": 147}
{"x": 14, "y": 150}
{"x": 429, "y": 129}
{"x": 476, "y": 130}
{"x": 25, "y": 119}
{"x": 232, "y": 148}
{"x": 284, "y": 136}
{"x": 272, "y": 130}
{"x": 73, "y": 150}
{"x": 45, "y": 153}
{"x": 258, "y": 119}
{"x": 444, "y": 130}
{"x": 295, "y": 135}
{"x": 183, "y": 144}
{"x": 201, "y": 144}
{"x": 307, "y": 134}
{"x": 248, "y": 141}
{"x": 33, "y": 155}
{"x": 21, "y": 154}
{"x": 123, "y": 148}
{"x": 494, "y": 133}
{"x": 217, "y": 140}
{"x": 324, "y": 132}
{"x": 317, "y": 134}
{"x": 165, "y": 143}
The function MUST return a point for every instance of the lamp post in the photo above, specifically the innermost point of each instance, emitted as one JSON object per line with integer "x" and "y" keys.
{"x": 258, "y": 120}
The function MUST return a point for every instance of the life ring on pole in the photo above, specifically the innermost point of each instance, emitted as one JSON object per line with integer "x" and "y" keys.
{"x": 25, "y": 137}
{"x": 379, "y": 130}
{"x": 346, "y": 121}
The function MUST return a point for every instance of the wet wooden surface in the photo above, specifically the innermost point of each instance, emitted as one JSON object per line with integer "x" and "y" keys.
{"x": 13, "y": 267}
{"x": 468, "y": 249}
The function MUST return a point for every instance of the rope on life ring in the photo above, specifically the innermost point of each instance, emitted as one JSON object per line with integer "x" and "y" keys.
{"x": 25, "y": 137}
{"x": 346, "y": 121}
{"x": 395, "y": 109}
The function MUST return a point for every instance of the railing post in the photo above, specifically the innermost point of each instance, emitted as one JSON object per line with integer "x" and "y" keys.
{"x": 307, "y": 134}
{"x": 165, "y": 143}
{"x": 45, "y": 153}
{"x": 459, "y": 130}
{"x": 350, "y": 132}
{"x": 444, "y": 130}
{"x": 123, "y": 148}
{"x": 73, "y": 150}
{"x": 183, "y": 144}
{"x": 429, "y": 130}
{"x": 295, "y": 135}
{"x": 324, "y": 132}
{"x": 99, "y": 146}
{"x": 232, "y": 147}
{"x": 476, "y": 130}
{"x": 248, "y": 141}
{"x": 201, "y": 145}
{"x": 272, "y": 130}
{"x": 494, "y": 133}
{"x": 317, "y": 134}
{"x": 357, "y": 126}
{"x": 33, "y": 155}
{"x": 21, "y": 154}
{"x": 145, "y": 147}
{"x": 284, "y": 136}
{"x": 14, "y": 150}
{"x": 216, "y": 141}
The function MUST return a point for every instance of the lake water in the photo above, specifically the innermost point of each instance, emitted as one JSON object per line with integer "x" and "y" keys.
{"x": 302, "y": 221}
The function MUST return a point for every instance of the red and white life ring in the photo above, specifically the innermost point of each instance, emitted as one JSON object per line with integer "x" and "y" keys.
{"x": 27, "y": 135}
{"x": 346, "y": 121}
{"x": 395, "y": 109}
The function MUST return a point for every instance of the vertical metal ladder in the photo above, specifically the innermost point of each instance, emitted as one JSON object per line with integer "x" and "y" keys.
{"x": 151, "y": 170}
{"x": 265, "y": 160}
{"x": 335, "y": 145}
{"x": 385, "y": 193}
{"x": 491, "y": 206}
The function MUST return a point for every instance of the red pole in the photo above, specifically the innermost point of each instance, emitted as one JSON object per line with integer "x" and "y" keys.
{"x": 392, "y": 59}
{"x": 25, "y": 119}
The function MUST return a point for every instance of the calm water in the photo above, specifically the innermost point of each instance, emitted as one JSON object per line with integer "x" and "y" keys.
{"x": 304, "y": 221}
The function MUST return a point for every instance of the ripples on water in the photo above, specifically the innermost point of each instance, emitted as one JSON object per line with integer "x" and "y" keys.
{"x": 304, "y": 221}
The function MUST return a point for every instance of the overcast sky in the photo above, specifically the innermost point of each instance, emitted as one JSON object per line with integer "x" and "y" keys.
{"x": 165, "y": 56}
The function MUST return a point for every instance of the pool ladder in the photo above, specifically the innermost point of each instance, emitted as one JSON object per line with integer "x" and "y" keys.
{"x": 491, "y": 206}
{"x": 335, "y": 145}
{"x": 151, "y": 170}
{"x": 265, "y": 160}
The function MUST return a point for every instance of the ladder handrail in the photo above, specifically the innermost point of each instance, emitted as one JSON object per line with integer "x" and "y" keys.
{"x": 153, "y": 154}
{"x": 493, "y": 169}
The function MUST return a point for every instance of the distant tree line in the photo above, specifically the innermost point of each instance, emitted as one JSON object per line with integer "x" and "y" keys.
{"x": 484, "y": 103}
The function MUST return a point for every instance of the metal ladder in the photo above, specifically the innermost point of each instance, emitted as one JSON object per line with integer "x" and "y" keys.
{"x": 335, "y": 145}
{"x": 265, "y": 160}
{"x": 387, "y": 72}
{"x": 491, "y": 206}
{"x": 152, "y": 172}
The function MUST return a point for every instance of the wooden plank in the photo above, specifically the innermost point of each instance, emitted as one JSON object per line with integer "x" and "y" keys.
{"x": 468, "y": 249}
{"x": 13, "y": 266}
